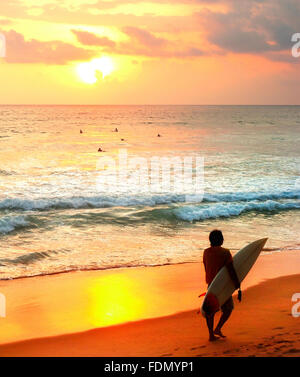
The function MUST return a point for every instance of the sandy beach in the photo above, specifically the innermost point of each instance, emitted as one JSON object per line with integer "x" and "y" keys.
{"x": 149, "y": 312}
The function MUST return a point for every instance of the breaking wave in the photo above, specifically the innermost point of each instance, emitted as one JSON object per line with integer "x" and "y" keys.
{"x": 198, "y": 213}
{"x": 103, "y": 201}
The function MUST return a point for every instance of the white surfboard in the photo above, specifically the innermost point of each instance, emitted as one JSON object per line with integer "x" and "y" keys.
{"x": 222, "y": 287}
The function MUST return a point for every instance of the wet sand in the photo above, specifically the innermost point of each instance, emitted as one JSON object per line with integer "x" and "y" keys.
{"x": 149, "y": 312}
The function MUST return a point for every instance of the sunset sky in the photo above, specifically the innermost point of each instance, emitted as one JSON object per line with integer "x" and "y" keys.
{"x": 149, "y": 52}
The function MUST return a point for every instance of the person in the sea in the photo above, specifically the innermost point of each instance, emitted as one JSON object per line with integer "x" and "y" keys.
{"x": 214, "y": 258}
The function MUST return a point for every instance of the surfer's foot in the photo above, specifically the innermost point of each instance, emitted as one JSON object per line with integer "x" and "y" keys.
{"x": 219, "y": 333}
{"x": 212, "y": 338}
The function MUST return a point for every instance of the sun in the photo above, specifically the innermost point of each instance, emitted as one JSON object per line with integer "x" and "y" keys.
{"x": 88, "y": 72}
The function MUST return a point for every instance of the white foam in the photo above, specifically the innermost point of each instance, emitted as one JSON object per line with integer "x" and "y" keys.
{"x": 10, "y": 223}
{"x": 124, "y": 200}
{"x": 192, "y": 213}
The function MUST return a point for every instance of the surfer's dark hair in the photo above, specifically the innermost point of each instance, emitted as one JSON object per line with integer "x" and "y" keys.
{"x": 216, "y": 238}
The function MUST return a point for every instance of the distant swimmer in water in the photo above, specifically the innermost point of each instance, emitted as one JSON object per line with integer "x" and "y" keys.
{"x": 116, "y": 130}
{"x": 158, "y": 135}
{"x": 81, "y": 131}
{"x": 122, "y": 139}
{"x": 100, "y": 150}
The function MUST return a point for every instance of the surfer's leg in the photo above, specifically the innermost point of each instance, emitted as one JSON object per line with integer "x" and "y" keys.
{"x": 210, "y": 325}
{"x": 226, "y": 308}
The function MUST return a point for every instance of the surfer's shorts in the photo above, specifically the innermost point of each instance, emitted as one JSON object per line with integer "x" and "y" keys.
{"x": 227, "y": 306}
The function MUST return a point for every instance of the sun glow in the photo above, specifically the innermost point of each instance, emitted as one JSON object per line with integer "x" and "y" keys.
{"x": 114, "y": 299}
{"x": 89, "y": 72}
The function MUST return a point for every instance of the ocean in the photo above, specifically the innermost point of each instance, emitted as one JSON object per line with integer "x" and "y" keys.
{"x": 57, "y": 216}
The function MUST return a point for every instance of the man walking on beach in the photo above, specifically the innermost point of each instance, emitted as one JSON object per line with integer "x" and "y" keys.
{"x": 214, "y": 258}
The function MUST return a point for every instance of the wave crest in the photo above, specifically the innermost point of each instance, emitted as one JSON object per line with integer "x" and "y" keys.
{"x": 10, "y": 223}
{"x": 86, "y": 202}
{"x": 198, "y": 213}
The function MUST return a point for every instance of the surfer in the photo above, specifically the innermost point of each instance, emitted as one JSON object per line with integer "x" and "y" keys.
{"x": 214, "y": 258}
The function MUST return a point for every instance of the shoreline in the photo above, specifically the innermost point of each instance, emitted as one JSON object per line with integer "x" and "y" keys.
{"x": 69, "y": 304}
{"x": 92, "y": 269}
{"x": 265, "y": 251}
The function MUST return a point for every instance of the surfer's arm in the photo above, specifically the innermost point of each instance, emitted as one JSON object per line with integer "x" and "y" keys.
{"x": 233, "y": 275}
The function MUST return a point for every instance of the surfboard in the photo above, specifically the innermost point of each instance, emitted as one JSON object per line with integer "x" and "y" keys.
{"x": 222, "y": 287}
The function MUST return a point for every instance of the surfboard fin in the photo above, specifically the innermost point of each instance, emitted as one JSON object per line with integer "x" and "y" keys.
{"x": 240, "y": 295}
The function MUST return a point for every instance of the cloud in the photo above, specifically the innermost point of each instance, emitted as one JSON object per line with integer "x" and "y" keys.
{"x": 229, "y": 32}
{"x": 144, "y": 43}
{"x": 90, "y": 39}
{"x": 140, "y": 43}
{"x": 24, "y": 51}
{"x": 129, "y": 49}
{"x": 256, "y": 26}
{"x": 144, "y": 37}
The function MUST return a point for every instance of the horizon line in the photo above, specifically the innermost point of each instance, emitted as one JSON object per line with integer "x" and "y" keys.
{"x": 145, "y": 104}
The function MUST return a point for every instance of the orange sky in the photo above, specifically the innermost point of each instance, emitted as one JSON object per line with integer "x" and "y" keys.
{"x": 159, "y": 52}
